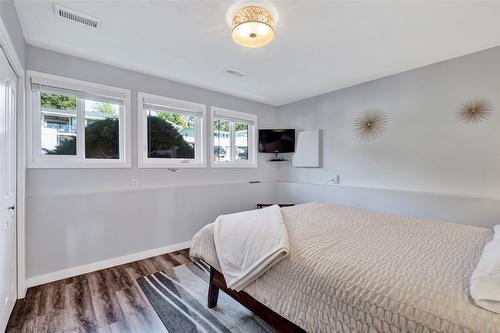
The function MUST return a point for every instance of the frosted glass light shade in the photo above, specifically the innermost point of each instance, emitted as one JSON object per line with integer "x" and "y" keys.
{"x": 253, "y": 26}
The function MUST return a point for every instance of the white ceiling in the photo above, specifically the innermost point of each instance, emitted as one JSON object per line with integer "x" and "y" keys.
{"x": 320, "y": 46}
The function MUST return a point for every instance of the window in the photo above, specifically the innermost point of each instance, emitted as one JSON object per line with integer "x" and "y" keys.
{"x": 76, "y": 124}
{"x": 233, "y": 138}
{"x": 170, "y": 132}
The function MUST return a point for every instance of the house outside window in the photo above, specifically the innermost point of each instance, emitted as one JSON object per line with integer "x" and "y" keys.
{"x": 170, "y": 132}
{"x": 233, "y": 138}
{"x": 77, "y": 124}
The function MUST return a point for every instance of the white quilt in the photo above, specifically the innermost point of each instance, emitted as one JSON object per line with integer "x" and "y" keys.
{"x": 249, "y": 243}
{"x": 352, "y": 270}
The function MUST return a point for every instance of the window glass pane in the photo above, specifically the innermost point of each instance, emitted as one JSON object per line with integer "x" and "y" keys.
{"x": 222, "y": 141}
{"x": 241, "y": 141}
{"x": 102, "y": 128}
{"x": 58, "y": 124}
{"x": 171, "y": 135}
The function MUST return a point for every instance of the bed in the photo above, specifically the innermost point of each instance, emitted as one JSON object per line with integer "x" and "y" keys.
{"x": 353, "y": 270}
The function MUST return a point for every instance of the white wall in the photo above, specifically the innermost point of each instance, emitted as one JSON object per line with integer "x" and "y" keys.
{"x": 9, "y": 17}
{"x": 80, "y": 216}
{"x": 425, "y": 148}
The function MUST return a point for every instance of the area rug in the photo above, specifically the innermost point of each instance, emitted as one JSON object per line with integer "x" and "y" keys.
{"x": 179, "y": 296}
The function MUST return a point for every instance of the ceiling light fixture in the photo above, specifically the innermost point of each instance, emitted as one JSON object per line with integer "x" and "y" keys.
{"x": 253, "y": 26}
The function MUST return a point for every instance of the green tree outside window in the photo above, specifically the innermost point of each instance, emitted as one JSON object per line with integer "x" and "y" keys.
{"x": 105, "y": 108}
{"x": 55, "y": 101}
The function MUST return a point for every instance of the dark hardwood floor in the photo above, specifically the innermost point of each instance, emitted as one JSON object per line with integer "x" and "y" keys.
{"x": 105, "y": 301}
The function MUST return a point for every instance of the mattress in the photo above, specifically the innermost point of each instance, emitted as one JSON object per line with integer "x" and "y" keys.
{"x": 353, "y": 270}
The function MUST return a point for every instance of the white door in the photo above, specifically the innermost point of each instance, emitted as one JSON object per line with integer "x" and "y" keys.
{"x": 8, "y": 254}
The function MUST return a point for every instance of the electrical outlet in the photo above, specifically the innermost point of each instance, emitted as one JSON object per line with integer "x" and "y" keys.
{"x": 135, "y": 183}
{"x": 335, "y": 180}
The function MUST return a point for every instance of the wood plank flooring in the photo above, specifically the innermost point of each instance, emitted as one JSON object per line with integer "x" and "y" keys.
{"x": 106, "y": 301}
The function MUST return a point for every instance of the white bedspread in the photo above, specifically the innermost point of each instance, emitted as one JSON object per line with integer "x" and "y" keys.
{"x": 249, "y": 243}
{"x": 352, "y": 270}
{"x": 485, "y": 280}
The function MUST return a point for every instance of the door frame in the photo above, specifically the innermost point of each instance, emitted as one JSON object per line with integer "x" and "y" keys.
{"x": 15, "y": 62}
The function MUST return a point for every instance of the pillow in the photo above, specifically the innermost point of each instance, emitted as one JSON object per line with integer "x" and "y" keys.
{"x": 485, "y": 280}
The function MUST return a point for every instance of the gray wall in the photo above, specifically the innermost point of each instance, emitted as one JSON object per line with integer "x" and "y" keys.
{"x": 69, "y": 230}
{"x": 428, "y": 164}
{"x": 47, "y": 181}
{"x": 425, "y": 148}
{"x": 9, "y": 17}
{"x": 80, "y": 216}
{"x": 449, "y": 208}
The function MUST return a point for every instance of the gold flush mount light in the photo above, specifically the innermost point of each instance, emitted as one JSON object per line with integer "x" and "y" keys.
{"x": 253, "y": 26}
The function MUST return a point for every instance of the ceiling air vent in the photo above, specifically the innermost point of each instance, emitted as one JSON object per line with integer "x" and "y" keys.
{"x": 73, "y": 15}
{"x": 235, "y": 72}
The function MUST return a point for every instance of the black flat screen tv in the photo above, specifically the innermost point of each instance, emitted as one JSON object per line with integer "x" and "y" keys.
{"x": 276, "y": 141}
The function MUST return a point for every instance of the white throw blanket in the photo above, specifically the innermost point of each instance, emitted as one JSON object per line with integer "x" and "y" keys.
{"x": 249, "y": 243}
{"x": 485, "y": 280}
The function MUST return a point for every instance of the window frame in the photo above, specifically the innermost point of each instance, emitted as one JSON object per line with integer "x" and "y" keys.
{"x": 181, "y": 107}
{"x": 234, "y": 116}
{"x": 36, "y": 159}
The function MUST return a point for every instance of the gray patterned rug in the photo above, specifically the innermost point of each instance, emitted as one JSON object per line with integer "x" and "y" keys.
{"x": 179, "y": 296}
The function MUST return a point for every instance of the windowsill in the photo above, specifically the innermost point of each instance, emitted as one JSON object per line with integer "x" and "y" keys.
{"x": 88, "y": 164}
{"x": 161, "y": 164}
{"x": 233, "y": 165}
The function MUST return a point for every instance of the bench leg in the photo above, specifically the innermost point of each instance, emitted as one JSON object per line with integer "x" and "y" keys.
{"x": 213, "y": 291}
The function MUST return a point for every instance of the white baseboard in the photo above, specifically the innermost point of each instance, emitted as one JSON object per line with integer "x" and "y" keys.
{"x": 96, "y": 266}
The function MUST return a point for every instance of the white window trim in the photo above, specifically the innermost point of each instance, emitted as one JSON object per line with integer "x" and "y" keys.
{"x": 176, "y": 105}
{"x": 252, "y": 138}
{"x": 36, "y": 160}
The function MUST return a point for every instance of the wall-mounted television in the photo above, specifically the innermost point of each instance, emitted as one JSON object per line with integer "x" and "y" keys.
{"x": 276, "y": 141}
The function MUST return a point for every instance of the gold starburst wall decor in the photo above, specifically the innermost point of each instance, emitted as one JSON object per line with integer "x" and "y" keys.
{"x": 370, "y": 125}
{"x": 475, "y": 110}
